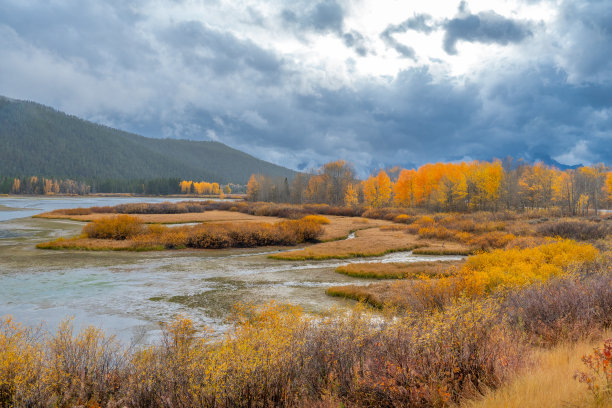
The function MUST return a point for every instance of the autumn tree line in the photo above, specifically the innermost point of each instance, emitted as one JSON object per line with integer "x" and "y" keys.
{"x": 48, "y": 186}
{"x": 205, "y": 188}
{"x": 465, "y": 186}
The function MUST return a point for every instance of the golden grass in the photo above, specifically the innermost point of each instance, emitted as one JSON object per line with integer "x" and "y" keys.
{"x": 341, "y": 227}
{"x": 374, "y": 242}
{"x": 369, "y": 242}
{"x": 358, "y": 293}
{"x": 548, "y": 383}
{"x": 379, "y": 270}
{"x": 408, "y": 294}
{"x": 93, "y": 244}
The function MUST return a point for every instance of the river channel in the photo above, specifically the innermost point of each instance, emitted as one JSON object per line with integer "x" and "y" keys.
{"x": 129, "y": 293}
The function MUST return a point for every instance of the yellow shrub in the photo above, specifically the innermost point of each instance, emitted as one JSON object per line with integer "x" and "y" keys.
{"x": 115, "y": 227}
{"x": 404, "y": 218}
{"x": 435, "y": 232}
{"x": 20, "y": 362}
{"x": 516, "y": 267}
{"x": 425, "y": 220}
{"x": 318, "y": 219}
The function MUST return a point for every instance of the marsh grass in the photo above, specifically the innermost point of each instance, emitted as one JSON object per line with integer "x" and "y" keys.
{"x": 379, "y": 270}
{"x": 369, "y": 243}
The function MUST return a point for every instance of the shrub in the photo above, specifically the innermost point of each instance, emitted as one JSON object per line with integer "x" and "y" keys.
{"x": 404, "y": 219}
{"x": 516, "y": 267}
{"x": 435, "y": 232}
{"x": 317, "y": 219}
{"x": 490, "y": 240}
{"x": 117, "y": 227}
{"x": 598, "y": 378}
{"x": 563, "y": 308}
{"x": 574, "y": 229}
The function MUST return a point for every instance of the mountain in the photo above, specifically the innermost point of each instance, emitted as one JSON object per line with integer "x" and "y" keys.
{"x": 36, "y": 140}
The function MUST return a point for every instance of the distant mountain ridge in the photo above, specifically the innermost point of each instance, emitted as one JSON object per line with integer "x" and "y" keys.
{"x": 41, "y": 141}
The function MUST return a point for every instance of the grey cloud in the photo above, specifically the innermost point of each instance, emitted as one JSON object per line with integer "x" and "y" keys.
{"x": 202, "y": 47}
{"x": 101, "y": 34}
{"x": 485, "y": 27}
{"x": 354, "y": 39}
{"x": 324, "y": 16}
{"x": 419, "y": 22}
{"x": 585, "y": 32}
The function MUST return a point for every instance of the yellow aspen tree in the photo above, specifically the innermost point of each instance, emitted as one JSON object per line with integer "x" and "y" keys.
{"x": 16, "y": 186}
{"x": 48, "y": 186}
{"x": 185, "y": 186}
{"x": 403, "y": 189}
{"x": 377, "y": 190}
{"x": 609, "y": 185}
{"x": 351, "y": 198}
{"x": 252, "y": 188}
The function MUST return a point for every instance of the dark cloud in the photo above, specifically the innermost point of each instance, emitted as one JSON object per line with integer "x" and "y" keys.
{"x": 202, "y": 47}
{"x": 486, "y": 27}
{"x": 100, "y": 34}
{"x": 404, "y": 50}
{"x": 585, "y": 30}
{"x": 354, "y": 39}
{"x": 325, "y": 16}
{"x": 419, "y": 22}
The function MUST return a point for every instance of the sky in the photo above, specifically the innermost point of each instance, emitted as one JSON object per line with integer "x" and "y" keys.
{"x": 299, "y": 83}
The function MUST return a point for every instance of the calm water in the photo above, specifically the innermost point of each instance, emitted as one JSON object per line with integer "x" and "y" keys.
{"x": 127, "y": 293}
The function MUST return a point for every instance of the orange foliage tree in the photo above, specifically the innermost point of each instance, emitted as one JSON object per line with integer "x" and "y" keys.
{"x": 377, "y": 190}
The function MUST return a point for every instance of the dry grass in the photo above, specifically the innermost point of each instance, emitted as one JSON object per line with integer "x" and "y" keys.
{"x": 369, "y": 242}
{"x": 93, "y": 244}
{"x": 548, "y": 383}
{"x": 379, "y": 270}
{"x": 413, "y": 295}
{"x": 341, "y": 227}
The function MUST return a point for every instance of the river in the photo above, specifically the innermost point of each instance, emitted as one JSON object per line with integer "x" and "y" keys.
{"x": 129, "y": 293}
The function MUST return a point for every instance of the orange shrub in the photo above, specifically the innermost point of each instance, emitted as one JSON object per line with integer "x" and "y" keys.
{"x": 318, "y": 219}
{"x": 491, "y": 240}
{"x": 435, "y": 232}
{"x": 116, "y": 227}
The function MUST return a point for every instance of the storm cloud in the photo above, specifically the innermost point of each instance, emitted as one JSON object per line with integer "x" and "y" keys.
{"x": 485, "y": 27}
{"x": 302, "y": 83}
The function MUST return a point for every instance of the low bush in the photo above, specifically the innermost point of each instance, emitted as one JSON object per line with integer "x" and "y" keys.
{"x": 245, "y": 235}
{"x": 117, "y": 227}
{"x": 598, "y": 377}
{"x": 565, "y": 308}
{"x": 575, "y": 229}
{"x": 318, "y": 219}
{"x": 490, "y": 240}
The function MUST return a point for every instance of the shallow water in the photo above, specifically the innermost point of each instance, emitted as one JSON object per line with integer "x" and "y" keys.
{"x": 129, "y": 293}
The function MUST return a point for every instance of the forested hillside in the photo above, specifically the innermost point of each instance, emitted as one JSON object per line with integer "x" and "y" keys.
{"x": 36, "y": 140}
